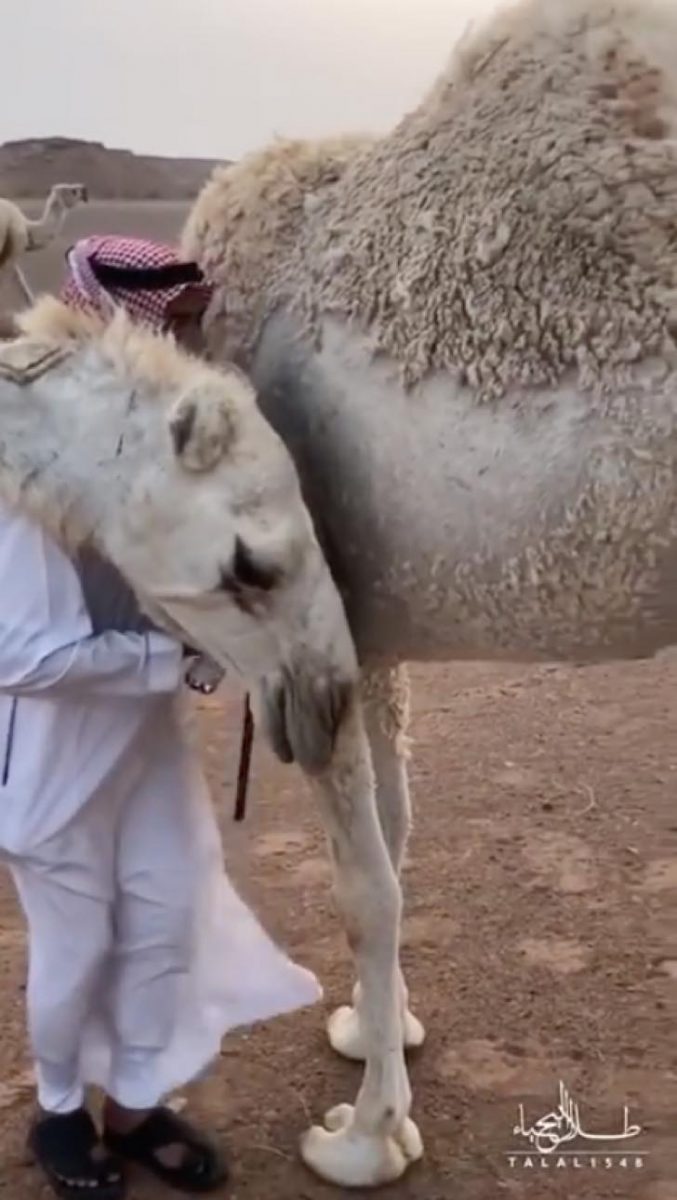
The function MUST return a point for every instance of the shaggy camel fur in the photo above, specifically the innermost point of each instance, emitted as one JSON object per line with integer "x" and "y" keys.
{"x": 263, "y": 202}
{"x": 469, "y": 348}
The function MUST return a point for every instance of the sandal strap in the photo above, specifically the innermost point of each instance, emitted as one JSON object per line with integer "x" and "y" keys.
{"x": 161, "y": 1128}
{"x": 201, "y": 1169}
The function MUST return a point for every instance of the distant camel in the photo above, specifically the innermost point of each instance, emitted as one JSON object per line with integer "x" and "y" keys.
{"x": 19, "y": 234}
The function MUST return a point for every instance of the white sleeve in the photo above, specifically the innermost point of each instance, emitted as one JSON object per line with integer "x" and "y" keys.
{"x": 47, "y": 646}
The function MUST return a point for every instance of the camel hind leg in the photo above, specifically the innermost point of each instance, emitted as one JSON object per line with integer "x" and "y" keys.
{"x": 374, "y": 1141}
{"x": 385, "y": 694}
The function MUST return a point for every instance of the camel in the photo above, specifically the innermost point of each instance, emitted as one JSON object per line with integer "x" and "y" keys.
{"x": 465, "y": 333}
{"x": 19, "y": 234}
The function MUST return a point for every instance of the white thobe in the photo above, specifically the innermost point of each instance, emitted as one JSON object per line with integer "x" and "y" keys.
{"x": 141, "y": 954}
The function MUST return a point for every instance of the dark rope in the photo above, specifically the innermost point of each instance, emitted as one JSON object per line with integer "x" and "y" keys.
{"x": 245, "y": 760}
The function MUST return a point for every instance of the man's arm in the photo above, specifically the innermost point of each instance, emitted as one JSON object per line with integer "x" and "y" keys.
{"x": 47, "y": 647}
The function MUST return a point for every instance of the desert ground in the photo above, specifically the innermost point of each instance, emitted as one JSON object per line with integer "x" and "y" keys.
{"x": 540, "y": 939}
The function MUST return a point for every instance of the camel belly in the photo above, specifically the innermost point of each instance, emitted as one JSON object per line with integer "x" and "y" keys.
{"x": 541, "y": 527}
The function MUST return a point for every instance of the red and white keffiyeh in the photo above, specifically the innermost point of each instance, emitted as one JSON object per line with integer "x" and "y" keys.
{"x": 90, "y": 257}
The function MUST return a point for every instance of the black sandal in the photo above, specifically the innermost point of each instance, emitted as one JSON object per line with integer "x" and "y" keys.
{"x": 63, "y": 1147}
{"x": 202, "y": 1169}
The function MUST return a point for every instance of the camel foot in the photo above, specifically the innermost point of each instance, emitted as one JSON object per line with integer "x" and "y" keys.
{"x": 345, "y": 1034}
{"x": 347, "y": 1156}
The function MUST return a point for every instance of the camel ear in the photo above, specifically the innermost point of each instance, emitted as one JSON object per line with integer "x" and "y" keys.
{"x": 202, "y": 425}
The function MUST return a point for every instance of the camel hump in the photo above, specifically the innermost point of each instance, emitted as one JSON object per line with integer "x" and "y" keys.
{"x": 25, "y": 359}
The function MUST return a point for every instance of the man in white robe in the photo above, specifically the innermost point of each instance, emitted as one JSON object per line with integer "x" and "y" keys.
{"x": 141, "y": 954}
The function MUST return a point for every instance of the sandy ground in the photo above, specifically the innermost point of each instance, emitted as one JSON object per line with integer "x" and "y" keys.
{"x": 540, "y": 940}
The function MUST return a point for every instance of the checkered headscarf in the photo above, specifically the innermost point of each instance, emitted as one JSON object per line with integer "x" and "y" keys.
{"x": 141, "y": 276}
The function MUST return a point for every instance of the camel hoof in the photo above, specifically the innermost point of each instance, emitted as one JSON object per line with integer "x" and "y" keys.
{"x": 346, "y": 1037}
{"x": 346, "y": 1156}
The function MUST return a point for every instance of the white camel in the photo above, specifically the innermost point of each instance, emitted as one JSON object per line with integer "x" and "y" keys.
{"x": 19, "y": 234}
{"x": 465, "y": 333}
{"x": 112, "y": 435}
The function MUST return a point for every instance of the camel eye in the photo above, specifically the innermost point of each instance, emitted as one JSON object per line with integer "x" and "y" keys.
{"x": 245, "y": 572}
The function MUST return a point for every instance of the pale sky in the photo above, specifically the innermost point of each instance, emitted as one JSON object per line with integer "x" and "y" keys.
{"x": 216, "y": 78}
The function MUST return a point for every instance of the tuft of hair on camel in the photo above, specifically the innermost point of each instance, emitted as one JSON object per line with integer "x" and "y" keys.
{"x": 249, "y": 216}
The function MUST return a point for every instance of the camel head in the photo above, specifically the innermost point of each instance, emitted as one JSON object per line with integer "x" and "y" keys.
{"x": 66, "y": 196}
{"x": 219, "y": 543}
{"x": 178, "y": 479}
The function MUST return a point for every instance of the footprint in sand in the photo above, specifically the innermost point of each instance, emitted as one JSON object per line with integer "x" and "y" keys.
{"x": 313, "y": 871}
{"x": 11, "y": 938}
{"x": 16, "y": 1089}
{"x": 518, "y": 779}
{"x": 487, "y": 1066}
{"x": 435, "y": 930}
{"x": 661, "y": 876}
{"x": 556, "y": 954}
{"x": 563, "y": 861}
{"x": 661, "y": 1189}
{"x": 281, "y": 841}
{"x": 646, "y": 1090}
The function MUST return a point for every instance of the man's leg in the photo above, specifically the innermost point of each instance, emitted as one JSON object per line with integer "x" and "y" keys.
{"x": 161, "y": 860}
{"x": 69, "y": 940}
{"x": 69, "y": 937}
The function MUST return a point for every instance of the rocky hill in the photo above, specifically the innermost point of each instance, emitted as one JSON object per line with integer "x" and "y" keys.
{"x": 28, "y": 168}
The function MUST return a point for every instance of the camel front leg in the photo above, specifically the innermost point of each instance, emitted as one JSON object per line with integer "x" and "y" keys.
{"x": 385, "y": 695}
{"x": 374, "y": 1141}
{"x": 23, "y": 285}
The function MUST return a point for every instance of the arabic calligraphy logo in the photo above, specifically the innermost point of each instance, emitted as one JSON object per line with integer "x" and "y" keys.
{"x": 564, "y": 1124}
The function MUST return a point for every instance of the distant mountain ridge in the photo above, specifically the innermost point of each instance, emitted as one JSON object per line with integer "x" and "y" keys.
{"x": 29, "y": 167}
